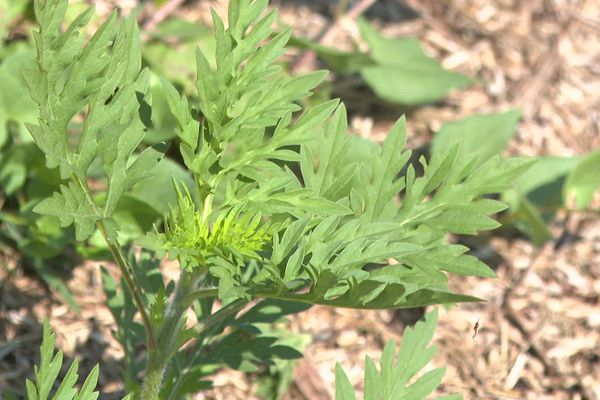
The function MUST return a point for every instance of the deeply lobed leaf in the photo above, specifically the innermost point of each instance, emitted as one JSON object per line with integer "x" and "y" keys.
{"x": 47, "y": 374}
{"x": 391, "y": 381}
{"x": 101, "y": 79}
{"x": 241, "y": 152}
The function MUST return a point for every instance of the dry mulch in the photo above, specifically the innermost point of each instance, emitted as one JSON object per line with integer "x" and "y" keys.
{"x": 539, "y": 331}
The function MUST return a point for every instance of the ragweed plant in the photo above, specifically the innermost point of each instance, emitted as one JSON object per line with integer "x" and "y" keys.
{"x": 282, "y": 213}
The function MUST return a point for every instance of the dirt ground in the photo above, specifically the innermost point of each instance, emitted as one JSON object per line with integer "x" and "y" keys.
{"x": 539, "y": 331}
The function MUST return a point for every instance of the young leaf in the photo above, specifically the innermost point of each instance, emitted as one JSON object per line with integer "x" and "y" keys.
{"x": 391, "y": 381}
{"x": 46, "y": 374}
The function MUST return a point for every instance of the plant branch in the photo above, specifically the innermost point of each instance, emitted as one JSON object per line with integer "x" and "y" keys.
{"x": 132, "y": 284}
{"x": 126, "y": 270}
{"x": 206, "y": 329}
{"x": 168, "y": 335}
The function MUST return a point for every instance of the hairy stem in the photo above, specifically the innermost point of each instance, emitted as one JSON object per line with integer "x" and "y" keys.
{"x": 205, "y": 330}
{"x": 168, "y": 335}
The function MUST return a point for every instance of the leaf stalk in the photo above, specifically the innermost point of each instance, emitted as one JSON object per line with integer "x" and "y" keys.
{"x": 126, "y": 270}
{"x": 132, "y": 284}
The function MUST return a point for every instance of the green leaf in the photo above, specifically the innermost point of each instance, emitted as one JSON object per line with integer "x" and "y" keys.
{"x": 584, "y": 181}
{"x": 486, "y": 135}
{"x": 546, "y": 171}
{"x": 238, "y": 102}
{"x": 258, "y": 229}
{"x": 331, "y": 151}
{"x": 384, "y": 184}
{"x": 71, "y": 205}
{"x": 103, "y": 79}
{"x": 398, "y": 376}
{"x": 302, "y": 199}
{"x": 292, "y": 235}
{"x": 46, "y": 374}
{"x": 87, "y": 389}
{"x": 464, "y": 220}
{"x": 241, "y": 350}
{"x": 327, "y": 266}
{"x": 343, "y": 388}
{"x": 379, "y": 292}
{"x": 403, "y": 72}
{"x": 66, "y": 391}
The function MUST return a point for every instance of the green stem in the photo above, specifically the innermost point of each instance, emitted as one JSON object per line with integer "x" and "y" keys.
{"x": 205, "y": 329}
{"x": 126, "y": 270}
{"x": 168, "y": 335}
{"x": 155, "y": 369}
{"x": 131, "y": 282}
